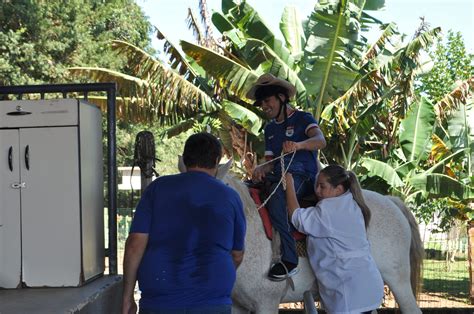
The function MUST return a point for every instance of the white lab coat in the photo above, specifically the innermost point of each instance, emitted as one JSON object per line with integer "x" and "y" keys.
{"x": 339, "y": 253}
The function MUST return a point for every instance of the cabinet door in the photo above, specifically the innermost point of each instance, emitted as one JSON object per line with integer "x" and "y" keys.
{"x": 50, "y": 206}
{"x": 10, "y": 242}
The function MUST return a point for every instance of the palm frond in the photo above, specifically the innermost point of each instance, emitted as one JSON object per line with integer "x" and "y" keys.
{"x": 451, "y": 101}
{"x": 163, "y": 96}
{"x": 380, "y": 44}
{"x": 176, "y": 60}
{"x": 206, "y": 22}
{"x": 232, "y": 75}
{"x": 405, "y": 65}
{"x": 243, "y": 17}
{"x": 193, "y": 25}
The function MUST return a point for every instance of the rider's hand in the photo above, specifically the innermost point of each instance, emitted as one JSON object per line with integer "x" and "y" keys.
{"x": 258, "y": 174}
{"x": 289, "y": 146}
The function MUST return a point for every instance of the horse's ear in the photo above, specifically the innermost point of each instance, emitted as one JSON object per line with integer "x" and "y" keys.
{"x": 223, "y": 169}
{"x": 181, "y": 165}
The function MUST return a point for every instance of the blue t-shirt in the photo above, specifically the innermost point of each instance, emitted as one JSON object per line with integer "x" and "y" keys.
{"x": 194, "y": 221}
{"x": 295, "y": 129}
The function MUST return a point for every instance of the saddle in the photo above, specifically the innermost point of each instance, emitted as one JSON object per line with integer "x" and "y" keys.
{"x": 255, "y": 192}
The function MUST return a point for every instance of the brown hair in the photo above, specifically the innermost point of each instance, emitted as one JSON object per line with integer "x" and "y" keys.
{"x": 338, "y": 175}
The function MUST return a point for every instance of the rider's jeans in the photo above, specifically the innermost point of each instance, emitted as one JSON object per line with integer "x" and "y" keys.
{"x": 279, "y": 215}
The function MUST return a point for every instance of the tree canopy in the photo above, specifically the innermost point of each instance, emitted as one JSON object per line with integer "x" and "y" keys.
{"x": 39, "y": 40}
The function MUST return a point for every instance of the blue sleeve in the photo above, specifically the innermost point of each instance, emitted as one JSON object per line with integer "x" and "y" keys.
{"x": 239, "y": 226}
{"x": 141, "y": 222}
{"x": 309, "y": 121}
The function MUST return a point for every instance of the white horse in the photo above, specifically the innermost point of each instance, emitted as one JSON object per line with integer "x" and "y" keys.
{"x": 395, "y": 244}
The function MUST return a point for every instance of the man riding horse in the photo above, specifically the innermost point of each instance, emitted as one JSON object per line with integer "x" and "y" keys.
{"x": 289, "y": 130}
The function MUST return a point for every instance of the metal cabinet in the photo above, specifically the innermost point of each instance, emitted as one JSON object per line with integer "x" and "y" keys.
{"x": 51, "y": 193}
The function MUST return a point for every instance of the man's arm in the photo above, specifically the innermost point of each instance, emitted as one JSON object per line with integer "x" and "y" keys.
{"x": 134, "y": 249}
{"x": 315, "y": 141}
{"x": 237, "y": 257}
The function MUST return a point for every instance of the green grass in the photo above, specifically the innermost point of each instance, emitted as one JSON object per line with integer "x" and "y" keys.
{"x": 448, "y": 282}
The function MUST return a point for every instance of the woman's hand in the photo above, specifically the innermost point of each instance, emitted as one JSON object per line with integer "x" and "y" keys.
{"x": 291, "y": 200}
{"x": 289, "y": 179}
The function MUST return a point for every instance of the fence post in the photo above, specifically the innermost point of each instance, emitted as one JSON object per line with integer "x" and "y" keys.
{"x": 145, "y": 179}
{"x": 144, "y": 157}
{"x": 470, "y": 244}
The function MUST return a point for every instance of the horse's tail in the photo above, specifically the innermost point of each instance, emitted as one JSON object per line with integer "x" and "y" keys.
{"x": 416, "y": 247}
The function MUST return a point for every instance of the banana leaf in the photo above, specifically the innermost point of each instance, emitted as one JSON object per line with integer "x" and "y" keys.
{"x": 247, "y": 20}
{"x": 382, "y": 170}
{"x": 246, "y": 118}
{"x": 416, "y": 130}
{"x": 440, "y": 185}
{"x": 168, "y": 99}
{"x": 461, "y": 128}
{"x": 236, "y": 77}
{"x": 332, "y": 40}
{"x": 292, "y": 30}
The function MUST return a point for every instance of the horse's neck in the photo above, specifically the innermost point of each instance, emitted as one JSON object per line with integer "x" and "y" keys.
{"x": 250, "y": 208}
{"x": 256, "y": 239}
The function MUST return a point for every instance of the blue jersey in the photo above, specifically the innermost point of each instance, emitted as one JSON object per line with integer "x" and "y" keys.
{"x": 194, "y": 221}
{"x": 295, "y": 129}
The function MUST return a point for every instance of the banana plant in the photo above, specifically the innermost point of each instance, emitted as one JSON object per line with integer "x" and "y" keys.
{"x": 367, "y": 116}
{"x": 325, "y": 57}
{"x": 422, "y": 167}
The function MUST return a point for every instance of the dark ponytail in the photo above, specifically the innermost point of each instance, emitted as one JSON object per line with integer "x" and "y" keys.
{"x": 336, "y": 175}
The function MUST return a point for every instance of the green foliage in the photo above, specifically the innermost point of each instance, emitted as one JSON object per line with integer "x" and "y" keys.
{"x": 39, "y": 40}
{"x": 451, "y": 63}
{"x": 365, "y": 93}
{"x": 441, "y": 212}
{"x": 166, "y": 149}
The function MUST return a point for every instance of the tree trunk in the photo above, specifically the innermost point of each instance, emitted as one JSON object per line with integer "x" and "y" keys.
{"x": 470, "y": 242}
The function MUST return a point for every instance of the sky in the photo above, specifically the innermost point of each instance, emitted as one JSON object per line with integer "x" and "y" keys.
{"x": 458, "y": 15}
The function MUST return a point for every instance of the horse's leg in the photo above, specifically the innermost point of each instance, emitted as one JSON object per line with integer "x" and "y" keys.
{"x": 398, "y": 279}
{"x": 390, "y": 236}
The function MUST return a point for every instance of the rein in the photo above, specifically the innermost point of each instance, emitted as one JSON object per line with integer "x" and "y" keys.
{"x": 283, "y": 173}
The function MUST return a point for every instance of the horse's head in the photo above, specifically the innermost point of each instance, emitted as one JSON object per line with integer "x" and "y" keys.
{"x": 222, "y": 169}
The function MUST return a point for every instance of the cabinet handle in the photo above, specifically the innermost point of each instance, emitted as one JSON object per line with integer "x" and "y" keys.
{"x": 27, "y": 157}
{"x": 20, "y": 185}
{"x": 10, "y": 158}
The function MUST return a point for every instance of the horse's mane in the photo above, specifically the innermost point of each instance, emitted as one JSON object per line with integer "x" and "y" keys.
{"x": 249, "y": 205}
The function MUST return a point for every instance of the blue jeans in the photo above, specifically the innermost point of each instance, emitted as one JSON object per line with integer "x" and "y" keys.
{"x": 211, "y": 309}
{"x": 279, "y": 215}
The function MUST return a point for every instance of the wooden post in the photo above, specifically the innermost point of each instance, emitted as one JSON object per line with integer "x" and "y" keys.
{"x": 470, "y": 244}
{"x": 145, "y": 180}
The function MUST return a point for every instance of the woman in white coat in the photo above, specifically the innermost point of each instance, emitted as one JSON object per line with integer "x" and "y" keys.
{"x": 338, "y": 249}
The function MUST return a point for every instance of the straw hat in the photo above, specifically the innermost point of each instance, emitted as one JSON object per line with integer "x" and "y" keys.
{"x": 268, "y": 80}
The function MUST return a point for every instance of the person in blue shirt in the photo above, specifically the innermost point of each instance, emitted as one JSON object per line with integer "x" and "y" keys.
{"x": 289, "y": 130}
{"x": 186, "y": 239}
